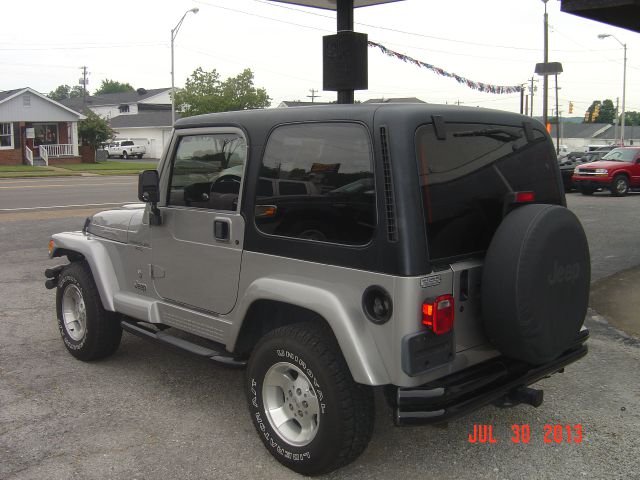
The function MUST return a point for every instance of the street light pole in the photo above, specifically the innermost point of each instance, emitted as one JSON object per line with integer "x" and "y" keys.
{"x": 174, "y": 33}
{"x": 624, "y": 80}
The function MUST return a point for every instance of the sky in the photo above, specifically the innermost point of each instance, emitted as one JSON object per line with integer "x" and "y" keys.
{"x": 43, "y": 44}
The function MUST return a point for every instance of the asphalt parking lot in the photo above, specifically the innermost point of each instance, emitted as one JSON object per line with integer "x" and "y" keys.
{"x": 152, "y": 413}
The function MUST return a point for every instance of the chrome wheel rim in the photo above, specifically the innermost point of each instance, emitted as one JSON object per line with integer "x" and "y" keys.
{"x": 74, "y": 313}
{"x": 621, "y": 186}
{"x": 290, "y": 404}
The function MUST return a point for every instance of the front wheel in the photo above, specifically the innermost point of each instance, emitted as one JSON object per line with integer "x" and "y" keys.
{"x": 586, "y": 190}
{"x": 619, "y": 186}
{"x": 310, "y": 414}
{"x": 88, "y": 330}
{"x": 125, "y": 155}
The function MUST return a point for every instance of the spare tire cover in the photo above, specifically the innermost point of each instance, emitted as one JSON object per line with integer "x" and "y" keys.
{"x": 535, "y": 283}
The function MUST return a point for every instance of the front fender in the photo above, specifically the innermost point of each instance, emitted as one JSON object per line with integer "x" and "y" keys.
{"x": 97, "y": 256}
{"x": 349, "y": 326}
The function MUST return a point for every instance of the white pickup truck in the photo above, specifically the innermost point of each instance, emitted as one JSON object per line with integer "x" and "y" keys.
{"x": 125, "y": 149}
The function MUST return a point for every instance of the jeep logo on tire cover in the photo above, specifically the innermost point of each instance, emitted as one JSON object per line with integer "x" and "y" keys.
{"x": 564, "y": 273}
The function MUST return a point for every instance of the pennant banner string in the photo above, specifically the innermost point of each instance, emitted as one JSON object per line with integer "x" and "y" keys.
{"x": 483, "y": 87}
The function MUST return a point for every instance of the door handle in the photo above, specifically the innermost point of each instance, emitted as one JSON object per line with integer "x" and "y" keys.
{"x": 222, "y": 229}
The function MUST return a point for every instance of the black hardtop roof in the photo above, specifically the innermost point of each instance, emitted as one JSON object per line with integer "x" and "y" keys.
{"x": 267, "y": 118}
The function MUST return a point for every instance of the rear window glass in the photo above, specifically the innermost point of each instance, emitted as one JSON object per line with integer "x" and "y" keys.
{"x": 316, "y": 183}
{"x": 466, "y": 177}
{"x": 126, "y": 144}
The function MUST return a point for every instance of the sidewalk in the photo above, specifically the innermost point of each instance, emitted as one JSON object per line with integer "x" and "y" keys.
{"x": 617, "y": 298}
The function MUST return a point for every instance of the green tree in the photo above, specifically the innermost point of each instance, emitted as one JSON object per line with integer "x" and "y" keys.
{"x": 94, "y": 130}
{"x": 204, "y": 92}
{"x": 62, "y": 92}
{"x": 113, "y": 86}
{"x": 607, "y": 112}
{"x": 631, "y": 118}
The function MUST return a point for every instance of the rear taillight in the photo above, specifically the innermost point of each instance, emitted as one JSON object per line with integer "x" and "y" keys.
{"x": 438, "y": 314}
{"x": 524, "y": 197}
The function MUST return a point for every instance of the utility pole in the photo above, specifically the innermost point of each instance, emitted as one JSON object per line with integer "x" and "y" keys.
{"x": 313, "y": 95}
{"x": 531, "y": 90}
{"x": 615, "y": 123}
{"x": 545, "y": 92}
{"x": 526, "y": 105}
{"x": 83, "y": 81}
{"x": 522, "y": 99}
{"x": 557, "y": 118}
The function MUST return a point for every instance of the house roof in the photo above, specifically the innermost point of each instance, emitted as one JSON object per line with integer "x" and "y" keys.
{"x": 581, "y": 130}
{"x": 630, "y": 132}
{"x": 153, "y": 118}
{"x": 112, "y": 98}
{"x": 394, "y": 100}
{"x": 9, "y": 94}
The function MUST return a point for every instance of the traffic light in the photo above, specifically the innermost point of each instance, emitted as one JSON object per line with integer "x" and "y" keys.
{"x": 596, "y": 112}
{"x": 570, "y": 107}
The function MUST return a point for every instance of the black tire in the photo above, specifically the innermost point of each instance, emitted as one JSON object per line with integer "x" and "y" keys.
{"x": 139, "y": 156}
{"x": 586, "y": 190}
{"x": 343, "y": 424}
{"x": 535, "y": 283}
{"x": 619, "y": 186}
{"x": 125, "y": 155}
{"x": 97, "y": 333}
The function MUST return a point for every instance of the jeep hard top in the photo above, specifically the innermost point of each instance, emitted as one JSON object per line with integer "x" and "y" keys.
{"x": 424, "y": 249}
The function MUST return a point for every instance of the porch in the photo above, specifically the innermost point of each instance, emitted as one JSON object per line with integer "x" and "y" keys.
{"x": 52, "y": 154}
{"x": 50, "y": 143}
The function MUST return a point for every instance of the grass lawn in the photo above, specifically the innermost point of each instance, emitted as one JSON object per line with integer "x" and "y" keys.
{"x": 13, "y": 171}
{"x": 110, "y": 166}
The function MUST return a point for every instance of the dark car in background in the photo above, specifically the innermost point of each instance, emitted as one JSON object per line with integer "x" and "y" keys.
{"x": 569, "y": 163}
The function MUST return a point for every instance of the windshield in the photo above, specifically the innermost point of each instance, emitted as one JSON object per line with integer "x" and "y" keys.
{"x": 620, "y": 155}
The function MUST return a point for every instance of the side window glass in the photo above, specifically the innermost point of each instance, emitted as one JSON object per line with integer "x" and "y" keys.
{"x": 316, "y": 183}
{"x": 207, "y": 171}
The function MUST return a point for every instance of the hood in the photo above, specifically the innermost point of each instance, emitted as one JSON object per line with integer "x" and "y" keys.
{"x": 602, "y": 164}
{"x": 115, "y": 224}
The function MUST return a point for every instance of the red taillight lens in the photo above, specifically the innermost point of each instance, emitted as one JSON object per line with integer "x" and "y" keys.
{"x": 525, "y": 197}
{"x": 438, "y": 315}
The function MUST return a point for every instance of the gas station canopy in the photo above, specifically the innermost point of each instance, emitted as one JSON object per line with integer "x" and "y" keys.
{"x": 331, "y": 4}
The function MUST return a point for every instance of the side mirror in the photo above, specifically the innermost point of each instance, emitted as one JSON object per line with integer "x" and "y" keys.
{"x": 149, "y": 192}
{"x": 149, "y": 186}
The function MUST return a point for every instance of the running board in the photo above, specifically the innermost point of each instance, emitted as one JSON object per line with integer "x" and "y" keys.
{"x": 182, "y": 344}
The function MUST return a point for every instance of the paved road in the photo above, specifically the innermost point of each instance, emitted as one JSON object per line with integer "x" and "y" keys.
{"x": 22, "y": 194}
{"x": 149, "y": 412}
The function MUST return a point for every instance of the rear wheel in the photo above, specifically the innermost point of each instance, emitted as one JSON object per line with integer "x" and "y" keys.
{"x": 88, "y": 330}
{"x": 620, "y": 186}
{"x": 125, "y": 155}
{"x": 309, "y": 413}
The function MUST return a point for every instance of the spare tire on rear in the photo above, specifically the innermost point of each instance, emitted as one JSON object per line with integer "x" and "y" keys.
{"x": 535, "y": 283}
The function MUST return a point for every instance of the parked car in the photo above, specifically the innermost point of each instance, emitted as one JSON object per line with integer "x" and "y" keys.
{"x": 618, "y": 171}
{"x": 125, "y": 149}
{"x": 425, "y": 249}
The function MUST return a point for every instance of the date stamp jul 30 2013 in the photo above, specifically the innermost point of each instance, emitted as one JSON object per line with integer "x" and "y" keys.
{"x": 521, "y": 433}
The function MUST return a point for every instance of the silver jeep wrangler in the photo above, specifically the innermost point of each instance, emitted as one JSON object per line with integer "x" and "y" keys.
{"x": 423, "y": 249}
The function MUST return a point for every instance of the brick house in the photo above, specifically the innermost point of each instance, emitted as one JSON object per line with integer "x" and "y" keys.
{"x": 35, "y": 130}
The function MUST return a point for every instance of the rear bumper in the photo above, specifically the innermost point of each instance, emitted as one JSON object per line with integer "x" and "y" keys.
{"x": 462, "y": 392}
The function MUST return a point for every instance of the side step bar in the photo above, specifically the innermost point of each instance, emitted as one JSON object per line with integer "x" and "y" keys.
{"x": 182, "y": 344}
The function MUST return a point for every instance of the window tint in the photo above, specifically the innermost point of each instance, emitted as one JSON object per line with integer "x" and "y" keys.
{"x": 319, "y": 178}
{"x": 127, "y": 143}
{"x": 465, "y": 180}
{"x": 207, "y": 171}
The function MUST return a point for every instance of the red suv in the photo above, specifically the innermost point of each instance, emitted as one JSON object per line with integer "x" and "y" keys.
{"x": 619, "y": 171}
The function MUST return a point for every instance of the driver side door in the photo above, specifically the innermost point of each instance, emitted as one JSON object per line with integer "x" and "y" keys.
{"x": 197, "y": 250}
